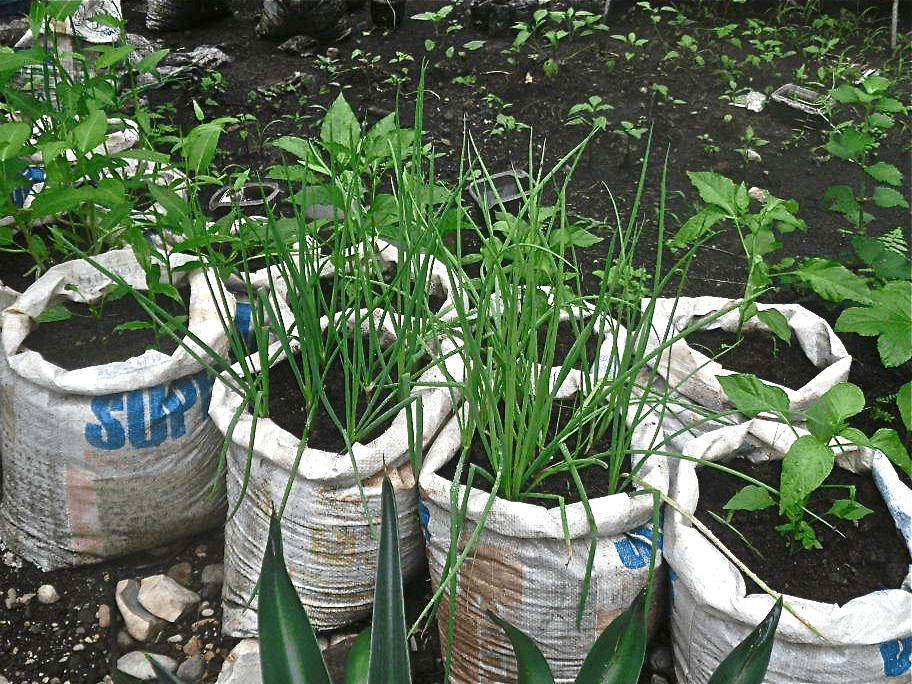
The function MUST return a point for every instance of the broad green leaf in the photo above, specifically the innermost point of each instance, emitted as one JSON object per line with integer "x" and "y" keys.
{"x": 848, "y": 94}
{"x": 904, "y": 402}
{"x": 841, "y": 198}
{"x": 806, "y": 465}
{"x": 389, "y": 654}
{"x": 173, "y": 204}
{"x": 748, "y": 661}
{"x": 889, "y": 104}
{"x": 143, "y": 154}
{"x": 752, "y": 396}
{"x": 849, "y": 510}
{"x": 356, "y": 667}
{"x": 875, "y": 83}
{"x": 880, "y": 120}
{"x": 777, "y": 323}
{"x": 827, "y": 414}
{"x": 60, "y": 9}
{"x": 617, "y": 655}
{"x": 13, "y": 136}
{"x": 720, "y": 191}
{"x": 889, "y": 442}
{"x": 53, "y": 201}
{"x": 90, "y": 132}
{"x": 299, "y": 147}
{"x": 696, "y": 226}
{"x": 888, "y": 317}
{"x": 849, "y": 144}
{"x": 111, "y": 55}
{"x": 885, "y": 173}
{"x": 879, "y": 254}
{"x": 530, "y": 663}
{"x": 289, "y": 653}
{"x": 888, "y": 198}
{"x": 54, "y": 314}
{"x": 833, "y": 281}
{"x": 750, "y": 498}
{"x": 151, "y": 60}
{"x": 200, "y": 145}
{"x": 340, "y": 127}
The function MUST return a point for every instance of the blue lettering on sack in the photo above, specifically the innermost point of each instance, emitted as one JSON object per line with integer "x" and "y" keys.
{"x": 897, "y": 656}
{"x": 424, "y": 515}
{"x": 151, "y": 414}
{"x": 635, "y": 548}
{"x": 243, "y": 323}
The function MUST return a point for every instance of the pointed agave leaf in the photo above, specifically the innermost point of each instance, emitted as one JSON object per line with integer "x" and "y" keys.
{"x": 356, "y": 667}
{"x": 289, "y": 653}
{"x": 531, "y": 664}
{"x": 617, "y": 655}
{"x": 747, "y": 662}
{"x": 389, "y": 657}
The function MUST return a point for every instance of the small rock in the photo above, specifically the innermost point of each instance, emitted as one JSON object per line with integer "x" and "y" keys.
{"x": 754, "y": 156}
{"x": 165, "y": 598}
{"x": 141, "y": 624}
{"x": 300, "y": 45}
{"x": 753, "y": 101}
{"x": 212, "y": 578}
{"x": 757, "y": 194}
{"x": 104, "y": 615}
{"x": 192, "y": 669}
{"x": 181, "y": 573}
{"x": 658, "y": 679}
{"x": 136, "y": 664}
{"x": 124, "y": 640}
{"x": 193, "y": 646}
{"x": 11, "y": 598}
{"x": 242, "y": 665}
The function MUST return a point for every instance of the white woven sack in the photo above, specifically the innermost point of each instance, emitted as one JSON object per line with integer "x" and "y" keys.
{"x": 866, "y": 641}
{"x": 694, "y": 376}
{"x": 522, "y": 570}
{"x": 326, "y": 537}
{"x": 106, "y": 460}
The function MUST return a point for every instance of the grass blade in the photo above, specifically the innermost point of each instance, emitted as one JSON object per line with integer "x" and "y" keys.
{"x": 747, "y": 662}
{"x": 617, "y": 655}
{"x": 389, "y": 657}
{"x": 289, "y": 653}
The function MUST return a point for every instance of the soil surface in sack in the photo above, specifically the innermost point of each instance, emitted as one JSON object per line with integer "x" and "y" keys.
{"x": 288, "y": 410}
{"x": 668, "y": 75}
{"x": 856, "y": 559}
{"x": 89, "y": 336}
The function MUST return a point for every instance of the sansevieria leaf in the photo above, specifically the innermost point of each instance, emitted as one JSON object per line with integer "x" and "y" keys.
{"x": 617, "y": 655}
{"x": 530, "y": 663}
{"x": 289, "y": 653}
{"x": 356, "y": 667}
{"x": 747, "y": 662}
{"x": 389, "y": 657}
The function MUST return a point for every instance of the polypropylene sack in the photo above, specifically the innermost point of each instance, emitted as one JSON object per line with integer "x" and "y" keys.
{"x": 866, "y": 641}
{"x": 106, "y": 460}
{"x": 522, "y": 570}
{"x": 284, "y": 18}
{"x": 693, "y": 377}
{"x": 326, "y": 537}
{"x": 177, "y": 15}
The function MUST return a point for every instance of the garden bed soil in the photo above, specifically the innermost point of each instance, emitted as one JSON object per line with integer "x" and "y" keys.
{"x": 857, "y": 558}
{"x": 503, "y": 102}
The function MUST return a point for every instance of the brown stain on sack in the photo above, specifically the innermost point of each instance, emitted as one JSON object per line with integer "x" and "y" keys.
{"x": 82, "y": 510}
{"x": 487, "y": 581}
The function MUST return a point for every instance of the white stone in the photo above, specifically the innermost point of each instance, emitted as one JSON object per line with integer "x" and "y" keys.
{"x": 757, "y": 194}
{"x": 141, "y": 624}
{"x": 242, "y": 665}
{"x": 136, "y": 663}
{"x": 754, "y": 156}
{"x": 162, "y": 596}
{"x": 47, "y": 593}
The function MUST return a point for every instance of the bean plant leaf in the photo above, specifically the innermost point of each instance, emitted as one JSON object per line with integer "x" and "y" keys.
{"x": 776, "y": 321}
{"x": 696, "y": 227}
{"x": 888, "y": 318}
{"x": 806, "y": 465}
{"x": 884, "y": 173}
{"x": 389, "y": 655}
{"x": 751, "y": 396}
{"x": 849, "y": 143}
{"x": 833, "y": 281}
{"x": 111, "y": 55}
{"x": 12, "y": 137}
{"x": 289, "y": 653}
{"x": 90, "y": 132}
{"x": 848, "y": 509}
{"x": 889, "y": 442}
{"x": 827, "y": 414}
{"x": 531, "y": 664}
{"x": 888, "y": 198}
{"x": 748, "y": 661}
{"x": 750, "y": 498}
{"x": 904, "y": 402}
{"x": 617, "y": 655}
{"x": 716, "y": 189}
